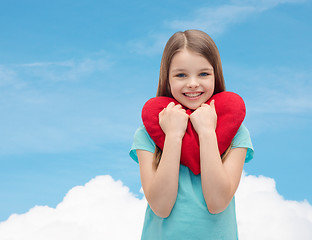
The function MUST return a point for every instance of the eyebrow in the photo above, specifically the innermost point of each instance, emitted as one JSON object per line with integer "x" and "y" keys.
{"x": 178, "y": 70}
{"x": 183, "y": 70}
{"x": 206, "y": 69}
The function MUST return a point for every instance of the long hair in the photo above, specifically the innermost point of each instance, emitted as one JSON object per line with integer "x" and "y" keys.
{"x": 195, "y": 41}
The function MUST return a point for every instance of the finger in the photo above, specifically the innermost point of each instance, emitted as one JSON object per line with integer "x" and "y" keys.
{"x": 178, "y": 107}
{"x": 183, "y": 111}
{"x": 170, "y": 105}
{"x": 162, "y": 112}
{"x": 212, "y": 103}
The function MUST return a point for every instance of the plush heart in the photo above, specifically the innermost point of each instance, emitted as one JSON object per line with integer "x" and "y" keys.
{"x": 230, "y": 109}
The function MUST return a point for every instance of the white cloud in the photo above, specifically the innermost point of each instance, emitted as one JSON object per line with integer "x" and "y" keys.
{"x": 102, "y": 209}
{"x": 105, "y": 209}
{"x": 263, "y": 214}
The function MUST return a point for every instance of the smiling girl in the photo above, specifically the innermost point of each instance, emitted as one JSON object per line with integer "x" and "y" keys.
{"x": 182, "y": 205}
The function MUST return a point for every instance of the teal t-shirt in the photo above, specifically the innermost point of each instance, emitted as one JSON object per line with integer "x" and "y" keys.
{"x": 190, "y": 218}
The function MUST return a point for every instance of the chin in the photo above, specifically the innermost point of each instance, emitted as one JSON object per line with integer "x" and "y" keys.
{"x": 196, "y": 104}
{"x": 192, "y": 107}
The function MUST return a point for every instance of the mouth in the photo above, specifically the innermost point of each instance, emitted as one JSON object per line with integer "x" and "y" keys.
{"x": 193, "y": 94}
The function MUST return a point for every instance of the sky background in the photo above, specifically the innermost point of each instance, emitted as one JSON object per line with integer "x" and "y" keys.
{"x": 75, "y": 74}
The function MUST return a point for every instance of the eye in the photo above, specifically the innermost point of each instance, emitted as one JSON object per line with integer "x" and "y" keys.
{"x": 204, "y": 74}
{"x": 181, "y": 75}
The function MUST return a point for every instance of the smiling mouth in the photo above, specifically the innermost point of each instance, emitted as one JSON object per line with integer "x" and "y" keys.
{"x": 193, "y": 95}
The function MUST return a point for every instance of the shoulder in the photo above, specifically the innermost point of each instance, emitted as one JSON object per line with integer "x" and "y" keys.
{"x": 242, "y": 140}
{"x": 142, "y": 137}
{"x": 142, "y": 141}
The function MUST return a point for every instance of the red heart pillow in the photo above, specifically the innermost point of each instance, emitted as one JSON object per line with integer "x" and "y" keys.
{"x": 230, "y": 109}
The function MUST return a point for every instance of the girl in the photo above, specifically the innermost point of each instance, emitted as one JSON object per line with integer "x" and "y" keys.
{"x": 182, "y": 205}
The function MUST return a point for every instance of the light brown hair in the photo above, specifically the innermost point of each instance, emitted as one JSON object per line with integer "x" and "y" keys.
{"x": 194, "y": 41}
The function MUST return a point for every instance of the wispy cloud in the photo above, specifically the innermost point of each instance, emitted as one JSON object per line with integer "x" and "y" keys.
{"x": 276, "y": 97}
{"x": 274, "y": 90}
{"x": 153, "y": 44}
{"x": 52, "y": 121}
{"x": 59, "y": 106}
{"x": 103, "y": 206}
{"x": 213, "y": 20}
{"x": 61, "y": 133}
{"x": 9, "y": 78}
{"x": 264, "y": 4}
{"x": 47, "y": 64}
{"x": 216, "y": 20}
{"x": 69, "y": 70}
{"x": 25, "y": 74}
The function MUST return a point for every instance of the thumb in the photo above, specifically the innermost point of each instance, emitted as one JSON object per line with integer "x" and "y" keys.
{"x": 212, "y": 103}
{"x": 162, "y": 112}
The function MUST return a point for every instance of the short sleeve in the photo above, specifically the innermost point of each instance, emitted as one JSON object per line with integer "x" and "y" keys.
{"x": 242, "y": 140}
{"x": 142, "y": 141}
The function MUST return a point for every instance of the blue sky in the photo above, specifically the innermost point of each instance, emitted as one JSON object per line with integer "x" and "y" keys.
{"x": 74, "y": 76}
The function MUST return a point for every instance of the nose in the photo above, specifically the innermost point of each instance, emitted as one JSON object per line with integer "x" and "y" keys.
{"x": 192, "y": 83}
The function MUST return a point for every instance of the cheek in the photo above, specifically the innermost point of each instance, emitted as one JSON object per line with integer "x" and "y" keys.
{"x": 172, "y": 86}
{"x": 211, "y": 84}
{"x": 175, "y": 89}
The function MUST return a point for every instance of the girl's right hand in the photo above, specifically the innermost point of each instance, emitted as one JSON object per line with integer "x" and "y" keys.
{"x": 173, "y": 120}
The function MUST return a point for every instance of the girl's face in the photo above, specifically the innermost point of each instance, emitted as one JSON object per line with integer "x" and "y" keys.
{"x": 191, "y": 79}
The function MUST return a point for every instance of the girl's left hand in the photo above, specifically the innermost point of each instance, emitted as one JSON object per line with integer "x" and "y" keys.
{"x": 204, "y": 118}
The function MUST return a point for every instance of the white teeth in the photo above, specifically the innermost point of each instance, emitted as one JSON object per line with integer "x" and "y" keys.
{"x": 192, "y": 94}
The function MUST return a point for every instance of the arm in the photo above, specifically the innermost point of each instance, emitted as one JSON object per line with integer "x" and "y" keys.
{"x": 161, "y": 185}
{"x": 219, "y": 179}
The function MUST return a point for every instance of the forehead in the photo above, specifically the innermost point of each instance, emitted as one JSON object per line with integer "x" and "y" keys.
{"x": 186, "y": 59}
